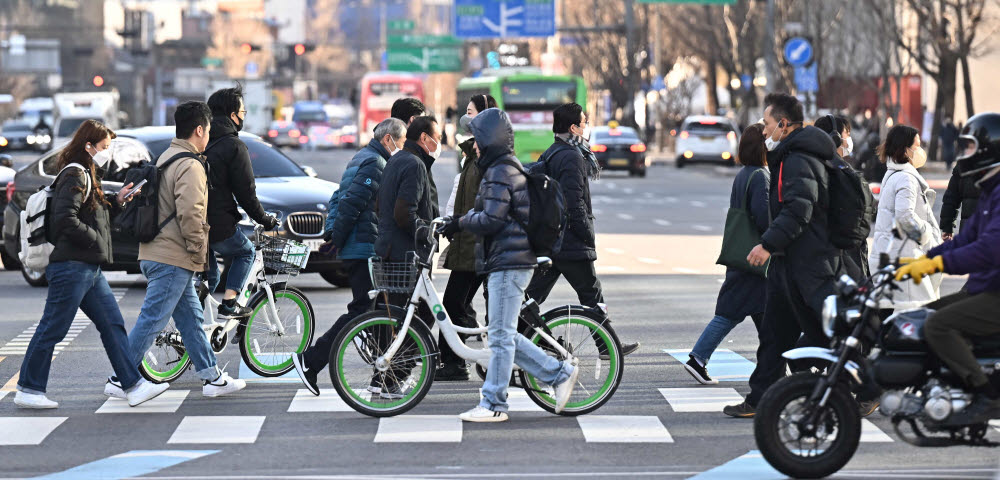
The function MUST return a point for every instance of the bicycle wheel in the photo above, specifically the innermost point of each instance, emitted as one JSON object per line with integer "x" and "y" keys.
{"x": 598, "y": 351}
{"x": 267, "y": 351}
{"x": 399, "y": 388}
{"x": 166, "y": 359}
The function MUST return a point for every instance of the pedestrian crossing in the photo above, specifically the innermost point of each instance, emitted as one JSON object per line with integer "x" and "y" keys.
{"x": 19, "y": 344}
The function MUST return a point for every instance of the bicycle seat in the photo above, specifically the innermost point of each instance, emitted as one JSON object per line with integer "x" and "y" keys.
{"x": 543, "y": 261}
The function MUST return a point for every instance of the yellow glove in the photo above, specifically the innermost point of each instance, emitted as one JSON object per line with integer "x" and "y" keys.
{"x": 917, "y": 269}
{"x": 909, "y": 260}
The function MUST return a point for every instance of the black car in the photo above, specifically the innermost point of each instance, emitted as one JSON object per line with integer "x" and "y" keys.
{"x": 16, "y": 135}
{"x": 619, "y": 148}
{"x": 284, "y": 188}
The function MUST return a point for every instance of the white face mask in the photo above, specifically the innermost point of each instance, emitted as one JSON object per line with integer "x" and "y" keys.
{"x": 436, "y": 154}
{"x": 770, "y": 142}
{"x": 849, "y": 149}
{"x": 395, "y": 149}
{"x": 101, "y": 158}
{"x": 919, "y": 157}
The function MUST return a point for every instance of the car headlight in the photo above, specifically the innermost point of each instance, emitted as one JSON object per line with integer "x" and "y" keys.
{"x": 31, "y": 139}
{"x": 45, "y": 139}
{"x": 829, "y": 315}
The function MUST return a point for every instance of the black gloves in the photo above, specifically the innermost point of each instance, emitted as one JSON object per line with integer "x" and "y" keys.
{"x": 270, "y": 222}
{"x": 449, "y": 228}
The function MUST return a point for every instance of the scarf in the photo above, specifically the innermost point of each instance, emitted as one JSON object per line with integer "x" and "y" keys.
{"x": 583, "y": 146}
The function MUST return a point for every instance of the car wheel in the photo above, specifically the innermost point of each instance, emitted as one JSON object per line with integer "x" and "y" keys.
{"x": 680, "y": 162}
{"x": 10, "y": 262}
{"x": 33, "y": 277}
{"x": 641, "y": 173}
{"x": 336, "y": 277}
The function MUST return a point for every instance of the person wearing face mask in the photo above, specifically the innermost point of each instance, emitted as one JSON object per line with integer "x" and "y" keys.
{"x": 460, "y": 257}
{"x": 232, "y": 183}
{"x": 350, "y": 233}
{"x": 571, "y": 163}
{"x": 79, "y": 229}
{"x": 906, "y": 198}
{"x": 804, "y": 263}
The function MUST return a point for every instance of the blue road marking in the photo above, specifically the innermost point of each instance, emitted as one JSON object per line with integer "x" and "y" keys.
{"x": 249, "y": 376}
{"x": 130, "y": 464}
{"x": 750, "y": 466}
{"x": 724, "y": 366}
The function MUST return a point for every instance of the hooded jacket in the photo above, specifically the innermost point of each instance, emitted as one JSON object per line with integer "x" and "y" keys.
{"x": 406, "y": 198}
{"x": 799, "y": 198}
{"x": 502, "y": 204}
{"x": 567, "y": 165}
{"x": 232, "y": 181}
{"x": 976, "y": 248}
{"x": 351, "y": 223}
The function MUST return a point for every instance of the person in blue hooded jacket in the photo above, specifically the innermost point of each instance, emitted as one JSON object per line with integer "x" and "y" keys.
{"x": 351, "y": 230}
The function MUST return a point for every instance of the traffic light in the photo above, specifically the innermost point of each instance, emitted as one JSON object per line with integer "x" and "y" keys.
{"x": 98, "y": 81}
{"x": 300, "y": 49}
{"x": 246, "y": 48}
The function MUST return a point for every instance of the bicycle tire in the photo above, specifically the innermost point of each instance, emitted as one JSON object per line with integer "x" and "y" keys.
{"x": 589, "y": 361}
{"x": 421, "y": 347}
{"x": 153, "y": 373}
{"x": 274, "y": 363}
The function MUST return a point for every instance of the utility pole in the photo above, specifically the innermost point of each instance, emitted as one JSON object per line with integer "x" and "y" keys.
{"x": 769, "y": 56}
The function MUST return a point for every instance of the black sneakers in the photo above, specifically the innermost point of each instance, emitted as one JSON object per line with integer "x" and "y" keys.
{"x": 230, "y": 309}
{"x": 307, "y": 376}
{"x": 698, "y": 371}
{"x": 452, "y": 373}
{"x": 627, "y": 349}
{"x": 743, "y": 410}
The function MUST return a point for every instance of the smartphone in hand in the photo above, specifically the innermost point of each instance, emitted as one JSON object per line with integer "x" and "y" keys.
{"x": 135, "y": 189}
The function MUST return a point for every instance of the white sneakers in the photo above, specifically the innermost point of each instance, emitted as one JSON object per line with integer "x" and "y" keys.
{"x": 113, "y": 388}
{"x": 223, "y": 385}
{"x": 33, "y": 400}
{"x": 565, "y": 389}
{"x": 142, "y": 392}
{"x": 481, "y": 414}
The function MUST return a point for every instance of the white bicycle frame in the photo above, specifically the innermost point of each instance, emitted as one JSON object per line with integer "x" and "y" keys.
{"x": 426, "y": 291}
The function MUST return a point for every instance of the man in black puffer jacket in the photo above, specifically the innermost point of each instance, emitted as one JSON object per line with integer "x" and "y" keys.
{"x": 804, "y": 262}
{"x": 571, "y": 163}
{"x": 231, "y": 180}
{"x": 503, "y": 252}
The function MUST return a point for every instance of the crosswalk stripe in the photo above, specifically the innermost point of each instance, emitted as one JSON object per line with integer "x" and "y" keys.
{"x": 870, "y": 433}
{"x": 130, "y": 464}
{"x": 218, "y": 429}
{"x": 995, "y": 424}
{"x": 328, "y": 401}
{"x": 702, "y": 399}
{"x": 419, "y": 428}
{"x": 623, "y": 429}
{"x": 725, "y": 365}
{"x": 27, "y": 430}
{"x": 750, "y": 466}
{"x": 167, "y": 402}
{"x": 518, "y": 401}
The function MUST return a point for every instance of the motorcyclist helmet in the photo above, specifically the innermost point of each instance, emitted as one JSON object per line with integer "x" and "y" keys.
{"x": 979, "y": 144}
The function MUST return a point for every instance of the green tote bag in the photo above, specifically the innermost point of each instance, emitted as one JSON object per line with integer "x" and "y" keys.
{"x": 740, "y": 237}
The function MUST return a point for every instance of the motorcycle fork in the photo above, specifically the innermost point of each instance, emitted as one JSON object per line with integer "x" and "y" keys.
{"x": 821, "y": 392}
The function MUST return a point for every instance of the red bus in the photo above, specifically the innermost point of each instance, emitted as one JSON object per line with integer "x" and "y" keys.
{"x": 378, "y": 92}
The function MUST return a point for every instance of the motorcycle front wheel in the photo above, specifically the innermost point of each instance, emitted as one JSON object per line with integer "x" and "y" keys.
{"x": 800, "y": 450}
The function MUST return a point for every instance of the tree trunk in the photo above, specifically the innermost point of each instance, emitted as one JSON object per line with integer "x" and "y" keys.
{"x": 945, "y": 102}
{"x": 967, "y": 86}
{"x": 711, "y": 92}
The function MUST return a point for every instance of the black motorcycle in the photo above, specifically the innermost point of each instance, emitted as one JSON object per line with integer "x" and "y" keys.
{"x": 808, "y": 425}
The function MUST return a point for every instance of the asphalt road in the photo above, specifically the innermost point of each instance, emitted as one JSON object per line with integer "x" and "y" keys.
{"x": 658, "y": 239}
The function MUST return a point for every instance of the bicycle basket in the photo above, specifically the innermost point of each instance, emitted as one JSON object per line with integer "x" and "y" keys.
{"x": 282, "y": 255}
{"x": 393, "y": 277}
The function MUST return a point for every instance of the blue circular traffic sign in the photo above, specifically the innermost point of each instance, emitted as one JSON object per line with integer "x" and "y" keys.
{"x": 798, "y": 52}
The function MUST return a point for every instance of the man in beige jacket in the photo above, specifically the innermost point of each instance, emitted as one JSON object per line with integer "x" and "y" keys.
{"x": 180, "y": 250}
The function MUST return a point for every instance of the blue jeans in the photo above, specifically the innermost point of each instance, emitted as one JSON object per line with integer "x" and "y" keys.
{"x": 240, "y": 250}
{"x": 506, "y": 289}
{"x": 170, "y": 292}
{"x": 712, "y": 336}
{"x": 74, "y": 285}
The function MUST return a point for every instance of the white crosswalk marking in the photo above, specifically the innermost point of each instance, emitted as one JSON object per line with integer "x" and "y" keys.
{"x": 995, "y": 424}
{"x": 220, "y": 429}
{"x": 167, "y": 402}
{"x": 419, "y": 428}
{"x": 872, "y": 434}
{"x": 703, "y": 399}
{"x": 27, "y": 430}
{"x": 19, "y": 345}
{"x": 327, "y": 401}
{"x": 518, "y": 401}
{"x": 623, "y": 429}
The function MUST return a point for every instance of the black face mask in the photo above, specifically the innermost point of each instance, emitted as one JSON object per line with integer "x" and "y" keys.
{"x": 239, "y": 126}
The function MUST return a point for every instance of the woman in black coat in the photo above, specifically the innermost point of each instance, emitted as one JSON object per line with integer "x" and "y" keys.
{"x": 742, "y": 294}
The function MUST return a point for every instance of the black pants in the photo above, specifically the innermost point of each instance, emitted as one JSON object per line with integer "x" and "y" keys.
{"x": 959, "y": 319}
{"x": 458, "y": 294}
{"x": 579, "y": 273}
{"x": 317, "y": 357}
{"x": 787, "y": 316}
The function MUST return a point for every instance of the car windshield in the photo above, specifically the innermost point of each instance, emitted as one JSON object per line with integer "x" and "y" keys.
{"x": 709, "y": 127}
{"x": 267, "y": 160}
{"x": 537, "y": 95}
{"x": 16, "y": 127}
{"x": 68, "y": 126}
{"x": 309, "y": 116}
{"x": 616, "y": 134}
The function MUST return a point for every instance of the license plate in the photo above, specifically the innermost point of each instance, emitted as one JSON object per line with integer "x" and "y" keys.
{"x": 618, "y": 162}
{"x": 707, "y": 138}
{"x": 313, "y": 244}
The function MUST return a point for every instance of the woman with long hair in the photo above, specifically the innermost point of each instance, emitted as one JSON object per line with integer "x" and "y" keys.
{"x": 742, "y": 294}
{"x": 78, "y": 227}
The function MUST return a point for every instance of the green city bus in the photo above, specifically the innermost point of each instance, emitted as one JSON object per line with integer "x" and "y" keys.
{"x": 528, "y": 99}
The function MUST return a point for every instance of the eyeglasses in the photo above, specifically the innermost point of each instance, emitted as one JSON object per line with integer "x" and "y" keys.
{"x": 241, "y": 112}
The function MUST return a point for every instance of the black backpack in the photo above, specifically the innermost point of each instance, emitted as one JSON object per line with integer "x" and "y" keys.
{"x": 138, "y": 221}
{"x": 852, "y": 206}
{"x": 548, "y": 214}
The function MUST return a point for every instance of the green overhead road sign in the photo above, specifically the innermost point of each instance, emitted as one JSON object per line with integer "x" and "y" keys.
{"x": 400, "y": 25}
{"x": 423, "y": 41}
{"x": 425, "y": 59}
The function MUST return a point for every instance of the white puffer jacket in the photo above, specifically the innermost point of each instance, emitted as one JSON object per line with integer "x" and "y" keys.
{"x": 906, "y": 195}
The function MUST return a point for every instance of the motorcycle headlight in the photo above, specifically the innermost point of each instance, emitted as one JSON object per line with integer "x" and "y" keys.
{"x": 829, "y": 315}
